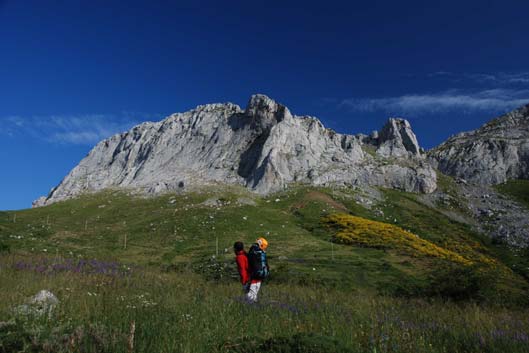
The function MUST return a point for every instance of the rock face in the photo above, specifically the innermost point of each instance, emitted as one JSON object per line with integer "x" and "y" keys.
{"x": 396, "y": 139}
{"x": 497, "y": 151}
{"x": 263, "y": 147}
{"x": 41, "y": 201}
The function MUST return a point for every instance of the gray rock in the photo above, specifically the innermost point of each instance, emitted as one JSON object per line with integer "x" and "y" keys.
{"x": 246, "y": 201}
{"x": 42, "y": 303}
{"x": 492, "y": 154}
{"x": 41, "y": 201}
{"x": 44, "y": 298}
{"x": 501, "y": 218}
{"x": 212, "y": 202}
{"x": 264, "y": 148}
{"x": 396, "y": 139}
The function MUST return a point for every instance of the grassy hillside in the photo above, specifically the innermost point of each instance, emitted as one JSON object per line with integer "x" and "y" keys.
{"x": 328, "y": 249}
{"x": 517, "y": 189}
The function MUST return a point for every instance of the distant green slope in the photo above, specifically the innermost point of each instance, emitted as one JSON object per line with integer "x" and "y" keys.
{"x": 517, "y": 189}
{"x": 176, "y": 231}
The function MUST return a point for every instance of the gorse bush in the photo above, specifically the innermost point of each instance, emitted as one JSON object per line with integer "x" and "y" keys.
{"x": 460, "y": 271}
{"x": 363, "y": 232}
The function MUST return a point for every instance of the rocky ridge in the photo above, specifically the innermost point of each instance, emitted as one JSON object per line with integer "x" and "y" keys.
{"x": 492, "y": 154}
{"x": 263, "y": 147}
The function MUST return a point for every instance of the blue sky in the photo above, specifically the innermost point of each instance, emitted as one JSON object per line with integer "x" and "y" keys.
{"x": 75, "y": 72}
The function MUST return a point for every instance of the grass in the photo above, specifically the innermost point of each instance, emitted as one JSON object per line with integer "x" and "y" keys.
{"x": 362, "y": 295}
{"x": 516, "y": 189}
{"x": 185, "y": 313}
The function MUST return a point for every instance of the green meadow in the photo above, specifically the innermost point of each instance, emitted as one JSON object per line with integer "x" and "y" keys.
{"x": 137, "y": 274}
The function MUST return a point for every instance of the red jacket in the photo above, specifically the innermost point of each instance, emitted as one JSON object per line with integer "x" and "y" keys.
{"x": 242, "y": 266}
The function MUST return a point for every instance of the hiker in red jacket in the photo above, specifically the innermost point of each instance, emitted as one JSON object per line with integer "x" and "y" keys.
{"x": 253, "y": 267}
{"x": 242, "y": 265}
{"x": 257, "y": 267}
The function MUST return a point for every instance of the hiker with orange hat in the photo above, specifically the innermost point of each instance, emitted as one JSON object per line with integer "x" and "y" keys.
{"x": 258, "y": 268}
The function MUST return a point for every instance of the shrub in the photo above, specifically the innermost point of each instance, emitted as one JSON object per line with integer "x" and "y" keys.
{"x": 4, "y": 248}
{"x": 462, "y": 283}
{"x": 363, "y": 232}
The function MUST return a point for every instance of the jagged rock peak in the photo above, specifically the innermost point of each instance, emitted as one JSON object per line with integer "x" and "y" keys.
{"x": 262, "y": 102}
{"x": 266, "y": 112}
{"x": 216, "y": 106}
{"x": 397, "y": 139}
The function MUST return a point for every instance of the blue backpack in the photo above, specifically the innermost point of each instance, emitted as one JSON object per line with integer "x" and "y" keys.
{"x": 257, "y": 263}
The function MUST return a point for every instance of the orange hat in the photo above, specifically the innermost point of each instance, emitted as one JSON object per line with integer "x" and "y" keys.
{"x": 263, "y": 243}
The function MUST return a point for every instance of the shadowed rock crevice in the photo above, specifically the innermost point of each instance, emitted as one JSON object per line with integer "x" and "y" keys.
{"x": 250, "y": 157}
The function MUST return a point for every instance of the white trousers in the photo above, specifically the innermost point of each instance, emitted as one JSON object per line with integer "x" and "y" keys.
{"x": 251, "y": 294}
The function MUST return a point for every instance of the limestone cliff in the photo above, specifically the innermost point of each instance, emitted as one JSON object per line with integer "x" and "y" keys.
{"x": 263, "y": 147}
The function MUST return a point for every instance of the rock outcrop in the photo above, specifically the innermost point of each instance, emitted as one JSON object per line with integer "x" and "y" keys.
{"x": 263, "y": 147}
{"x": 42, "y": 303}
{"x": 396, "y": 139}
{"x": 492, "y": 154}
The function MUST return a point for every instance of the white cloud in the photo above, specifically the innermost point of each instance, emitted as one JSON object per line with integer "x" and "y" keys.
{"x": 497, "y": 79}
{"x": 76, "y": 129}
{"x": 494, "y": 100}
{"x": 78, "y": 138}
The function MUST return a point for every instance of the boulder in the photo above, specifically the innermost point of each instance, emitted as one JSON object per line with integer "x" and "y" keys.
{"x": 42, "y": 303}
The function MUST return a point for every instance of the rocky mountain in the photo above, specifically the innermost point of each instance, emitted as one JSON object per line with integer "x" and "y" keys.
{"x": 492, "y": 154}
{"x": 263, "y": 147}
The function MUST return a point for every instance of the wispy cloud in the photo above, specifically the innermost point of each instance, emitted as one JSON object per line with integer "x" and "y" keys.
{"x": 76, "y": 129}
{"x": 497, "y": 79}
{"x": 493, "y": 100}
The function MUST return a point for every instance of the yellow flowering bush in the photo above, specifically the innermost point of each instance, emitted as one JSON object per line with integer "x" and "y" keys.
{"x": 360, "y": 231}
{"x": 471, "y": 250}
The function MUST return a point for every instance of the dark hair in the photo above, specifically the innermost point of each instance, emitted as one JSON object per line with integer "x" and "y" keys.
{"x": 238, "y": 246}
